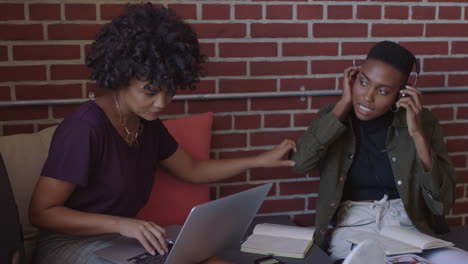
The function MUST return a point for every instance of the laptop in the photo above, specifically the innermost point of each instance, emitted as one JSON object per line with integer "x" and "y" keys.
{"x": 209, "y": 228}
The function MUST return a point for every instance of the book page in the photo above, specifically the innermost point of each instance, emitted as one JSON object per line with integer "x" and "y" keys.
{"x": 390, "y": 246}
{"x": 304, "y": 233}
{"x": 276, "y": 245}
{"x": 413, "y": 237}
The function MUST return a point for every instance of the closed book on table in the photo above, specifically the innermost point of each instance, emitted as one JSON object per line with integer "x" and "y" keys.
{"x": 279, "y": 240}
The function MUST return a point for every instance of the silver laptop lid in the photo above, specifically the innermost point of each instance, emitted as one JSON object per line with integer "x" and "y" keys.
{"x": 215, "y": 225}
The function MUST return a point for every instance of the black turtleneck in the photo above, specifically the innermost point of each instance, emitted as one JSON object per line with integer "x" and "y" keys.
{"x": 370, "y": 175}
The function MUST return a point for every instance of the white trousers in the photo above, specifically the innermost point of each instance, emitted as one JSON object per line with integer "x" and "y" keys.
{"x": 371, "y": 217}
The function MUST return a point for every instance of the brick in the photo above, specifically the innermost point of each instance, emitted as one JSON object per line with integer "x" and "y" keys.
{"x": 232, "y": 189}
{"x": 251, "y": 49}
{"x": 284, "y": 205}
{"x": 369, "y": 12}
{"x": 262, "y": 68}
{"x": 396, "y": 12}
{"x": 445, "y": 64}
{"x": 284, "y": 103}
{"x": 233, "y": 105}
{"x": 109, "y": 11}
{"x": 309, "y": 12}
{"x": 460, "y": 207}
{"x": 460, "y": 47}
{"x": 17, "y": 73}
{"x": 356, "y": 48}
{"x": 262, "y": 174}
{"x": 73, "y": 31}
{"x": 304, "y": 219}
{"x": 457, "y": 79}
{"x": 423, "y": 12}
{"x": 23, "y": 113}
{"x": 446, "y": 30}
{"x": 339, "y": 30}
{"x": 455, "y": 129}
{"x": 278, "y": 30}
{"x": 185, "y": 11}
{"x": 46, "y": 52}
{"x": 459, "y": 192}
{"x": 303, "y": 119}
{"x": 248, "y": 11}
{"x": 273, "y": 137}
{"x": 207, "y": 49}
{"x": 237, "y": 140}
{"x": 231, "y": 30}
{"x": 431, "y": 81}
{"x": 454, "y": 220}
{"x": 300, "y": 187}
{"x": 12, "y": 11}
{"x": 459, "y": 161}
{"x": 446, "y": 98}
{"x": 215, "y": 11}
{"x": 457, "y": 145}
{"x": 310, "y": 49}
{"x": 80, "y": 11}
{"x": 222, "y": 122}
{"x": 175, "y": 107}
{"x": 449, "y": 12}
{"x": 340, "y": 12}
{"x": 247, "y": 121}
{"x": 312, "y": 203}
{"x": 319, "y": 102}
{"x": 69, "y": 72}
{"x": 277, "y": 120}
{"x": 5, "y": 93}
{"x": 21, "y": 32}
{"x": 397, "y": 30}
{"x": 427, "y": 47}
{"x": 462, "y": 176}
{"x": 3, "y": 53}
{"x": 48, "y": 91}
{"x": 62, "y": 111}
{"x": 330, "y": 66}
{"x": 44, "y": 11}
{"x": 18, "y": 129}
{"x": 307, "y": 83}
{"x": 443, "y": 113}
{"x": 238, "y": 154}
{"x": 203, "y": 87}
{"x": 279, "y": 12}
{"x": 225, "y": 68}
{"x": 462, "y": 113}
{"x": 246, "y": 85}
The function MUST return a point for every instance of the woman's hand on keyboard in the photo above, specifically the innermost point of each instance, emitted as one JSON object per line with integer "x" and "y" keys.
{"x": 151, "y": 236}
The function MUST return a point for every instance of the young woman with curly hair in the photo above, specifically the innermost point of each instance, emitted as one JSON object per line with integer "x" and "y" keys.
{"x": 102, "y": 158}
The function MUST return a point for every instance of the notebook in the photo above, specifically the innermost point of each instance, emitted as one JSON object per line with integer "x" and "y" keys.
{"x": 209, "y": 228}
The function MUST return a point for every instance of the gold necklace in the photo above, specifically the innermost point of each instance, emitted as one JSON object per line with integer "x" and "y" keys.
{"x": 131, "y": 138}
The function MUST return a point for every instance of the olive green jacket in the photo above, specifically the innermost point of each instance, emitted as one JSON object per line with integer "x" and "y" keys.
{"x": 426, "y": 195}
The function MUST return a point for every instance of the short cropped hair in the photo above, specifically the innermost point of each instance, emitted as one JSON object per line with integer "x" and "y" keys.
{"x": 147, "y": 43}
{"x": 395, "y": 55}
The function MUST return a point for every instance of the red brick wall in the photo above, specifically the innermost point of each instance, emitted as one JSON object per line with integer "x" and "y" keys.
{"x": 253, "y": 46}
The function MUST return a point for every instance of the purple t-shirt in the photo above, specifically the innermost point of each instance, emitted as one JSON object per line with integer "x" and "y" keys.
{"x": 110, "y": 176}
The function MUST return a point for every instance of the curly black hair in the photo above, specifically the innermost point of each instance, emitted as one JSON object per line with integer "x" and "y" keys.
{"x": 148, "y": 43}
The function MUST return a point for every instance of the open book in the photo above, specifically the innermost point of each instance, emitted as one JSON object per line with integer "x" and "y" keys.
{"x": 400, "y": 240}
{"x": 279, "y": 240}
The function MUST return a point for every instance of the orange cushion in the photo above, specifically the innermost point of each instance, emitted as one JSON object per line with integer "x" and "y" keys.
{"x": 172, "y": 199}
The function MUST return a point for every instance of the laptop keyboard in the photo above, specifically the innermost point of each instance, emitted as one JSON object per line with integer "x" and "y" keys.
{"x": 147, "y": 258}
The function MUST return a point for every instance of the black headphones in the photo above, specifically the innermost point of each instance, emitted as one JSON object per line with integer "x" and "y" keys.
{"x": 403, "y": 87}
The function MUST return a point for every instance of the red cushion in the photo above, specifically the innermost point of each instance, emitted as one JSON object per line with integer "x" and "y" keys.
{"x": 172, "y": 199}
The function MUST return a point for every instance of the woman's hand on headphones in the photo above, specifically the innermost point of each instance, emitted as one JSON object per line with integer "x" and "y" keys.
{"x": 412, "y": 102}
{"x": 345, "y": 104}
